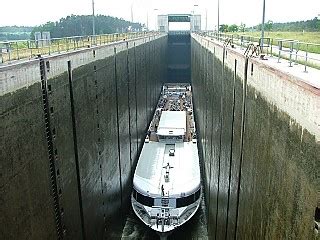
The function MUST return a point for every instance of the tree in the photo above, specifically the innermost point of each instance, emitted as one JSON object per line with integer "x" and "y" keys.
{"x": 242, "y": 27}
{"x": 312, "y": 25}
{"x": 81, "y": 25}
{"x": 223, "y": 28}
{"x": 233, "y": 28}
{"x": 268, "y": 26}
{"x": 315, "y": 24}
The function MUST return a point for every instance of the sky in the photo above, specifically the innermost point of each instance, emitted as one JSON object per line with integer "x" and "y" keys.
{"x": 249, "y": 12}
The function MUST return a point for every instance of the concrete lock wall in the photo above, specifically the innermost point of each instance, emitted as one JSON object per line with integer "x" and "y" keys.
{"x": 259, "y": 136}
{"x": 71, "y": 129}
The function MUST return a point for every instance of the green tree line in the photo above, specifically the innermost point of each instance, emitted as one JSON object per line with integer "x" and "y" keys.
{"x": 74, "y": 25}
{"x": 312, "y": 25}
{"x": 80, "y": 25}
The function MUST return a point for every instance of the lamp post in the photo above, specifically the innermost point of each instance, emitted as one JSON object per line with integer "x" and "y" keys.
{"x": 262, "y": 25}
{"x": 206, "y": 19}
{"x": 194, "y": 7}
{"x": 156, "y": 18}
{"x": 93, "y": 23}
{"x": 194, "y": 22}
{"x": 132, "y": 12}
{"x": 147, "y": 21}
{"x": 218, "y": 28}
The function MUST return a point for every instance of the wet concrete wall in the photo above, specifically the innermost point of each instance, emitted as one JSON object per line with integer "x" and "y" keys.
{"x": 259, "y": 141}
{"x": 25, "y": 197}
{"x": 71, "y": 129}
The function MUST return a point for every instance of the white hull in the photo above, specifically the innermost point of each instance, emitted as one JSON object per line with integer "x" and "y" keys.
{"x": 178, "y": 216}
{"x": 167, "y": 182}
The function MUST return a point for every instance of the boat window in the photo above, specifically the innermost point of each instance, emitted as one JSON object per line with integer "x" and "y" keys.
{"x": 185, "y": 201}
{"x": 171, "y": 152}
{"x": 197, "y": 195}
{"x": 145, "y": 200}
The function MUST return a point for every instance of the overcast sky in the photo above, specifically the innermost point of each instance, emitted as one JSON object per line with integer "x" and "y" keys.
{"x": 36, "y": 12}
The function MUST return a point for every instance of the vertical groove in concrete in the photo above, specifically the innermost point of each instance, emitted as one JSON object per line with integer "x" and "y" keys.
{"x": 118, "y": 130}
{"x": 211, "y": 135}
{"x": 241, "y": 143}
{"x": 221, "y": 126}
{"x": 98, "y": 113}
{"x": 75, "y": 145}
{"x": 128, "y": 102}
{"x": 135, "y": 92}
{"x": 146, "y": 80}
{"x": 110, "y": 157}
{"x": 206, "y": 84}
{"x": 51, "y": 151}
{"x": 123, "y": 124}
{"x": 231, "y": 150}
{"x": 208, "y": 119}
{"x": 98, "y": 137}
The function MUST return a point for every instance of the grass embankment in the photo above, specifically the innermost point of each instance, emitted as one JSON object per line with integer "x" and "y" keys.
{"x": 306, "y": 37}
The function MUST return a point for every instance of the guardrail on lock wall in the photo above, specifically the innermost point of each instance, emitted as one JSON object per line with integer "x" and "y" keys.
{"x": 292, "y": 50}
{"x": 27, "y": 49}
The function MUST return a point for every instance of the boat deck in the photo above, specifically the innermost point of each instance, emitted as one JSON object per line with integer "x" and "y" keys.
{"x": 167, "y": 181}
{"x": 174, "y": 98}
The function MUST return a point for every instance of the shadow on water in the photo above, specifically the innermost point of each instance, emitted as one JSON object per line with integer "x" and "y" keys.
{"x": 195, "y": 228}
